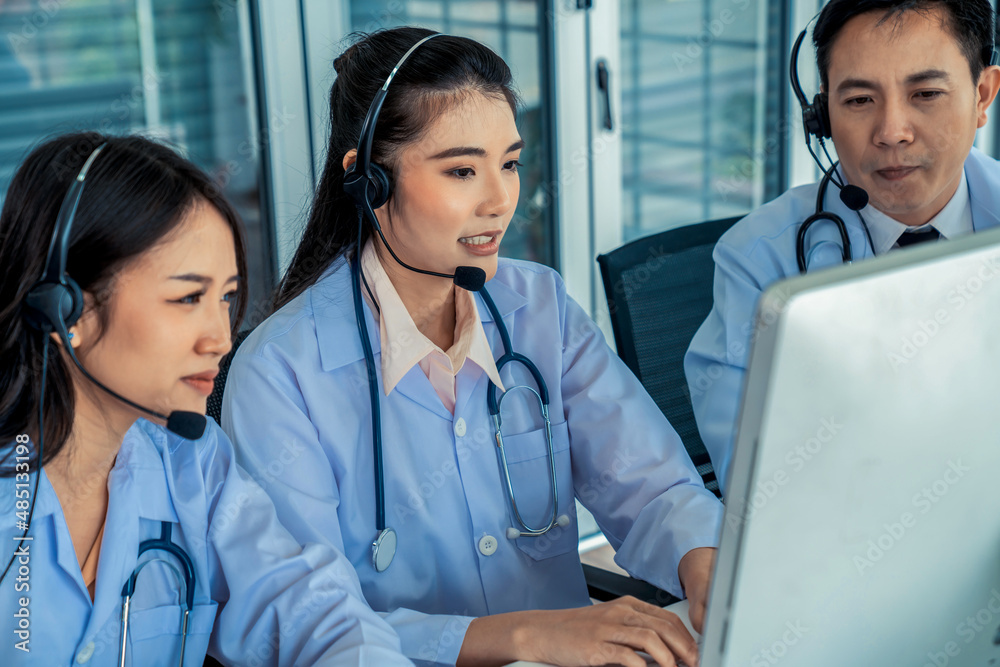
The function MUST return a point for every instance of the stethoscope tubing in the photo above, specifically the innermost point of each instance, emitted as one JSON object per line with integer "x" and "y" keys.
{"x": 373, "y": 396}
{"x": 187, "y": 576}
{"x": 493, "y": 404}
{"x": 502, "y": 459}
{"x": 821, "y": 214}
{"x": 847, "y": 254}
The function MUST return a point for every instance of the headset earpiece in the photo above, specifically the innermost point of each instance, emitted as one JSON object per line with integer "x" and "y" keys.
{"x": 53, "y": 306}
{"x": 367, "y": 183}
{"x": 371, "y": 189}
{"x": 379, "y": 186}
{"x": 818, "y": 122}
{"x": 55, "y": 302}
{"x": 815, "y": 116}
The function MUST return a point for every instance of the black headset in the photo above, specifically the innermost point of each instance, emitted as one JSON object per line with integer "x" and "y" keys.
{"x": 815, "y": 116}
{"x": 55, "y": 302}
{"x": 816, "y": 123}
{"x": 370, "y": 186}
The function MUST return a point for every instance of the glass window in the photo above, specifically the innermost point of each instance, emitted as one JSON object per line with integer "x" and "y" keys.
{"x": 702, "y": 91}
{"x": 172, "y": 69}
{"x": 511, "y": 28}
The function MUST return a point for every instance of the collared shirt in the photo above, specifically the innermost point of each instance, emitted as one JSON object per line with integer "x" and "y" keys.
{"x": 260, "y": 597}
{"x": 403, "y": 345}
{"x": 952, "y": 221}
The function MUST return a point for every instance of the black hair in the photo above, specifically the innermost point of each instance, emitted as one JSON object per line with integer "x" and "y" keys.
{"x": 434, "y": 77}
{"x": 137, "y": 191}
{"x": 971, "y": 23}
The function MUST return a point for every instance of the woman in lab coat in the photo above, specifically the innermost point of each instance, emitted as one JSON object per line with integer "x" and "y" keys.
{"x": 463, "y": 586}
{"x": 158, "y": 255}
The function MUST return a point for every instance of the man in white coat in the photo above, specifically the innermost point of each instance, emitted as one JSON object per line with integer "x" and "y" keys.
{"x": 905, "y": 86}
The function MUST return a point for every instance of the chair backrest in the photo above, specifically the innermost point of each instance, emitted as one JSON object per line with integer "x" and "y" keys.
{"x": 214, "y": 407}
{"x": 659, "y": 291}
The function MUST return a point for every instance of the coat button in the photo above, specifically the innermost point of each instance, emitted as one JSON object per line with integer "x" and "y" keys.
{"x": 460, "y": 427}
{"x": 487, "y": 545}
{"x": 85, "y": 653}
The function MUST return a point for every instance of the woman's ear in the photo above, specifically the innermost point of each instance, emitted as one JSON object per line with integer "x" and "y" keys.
{"x": 85, "y": 329}
{"x": 350, "y": 157}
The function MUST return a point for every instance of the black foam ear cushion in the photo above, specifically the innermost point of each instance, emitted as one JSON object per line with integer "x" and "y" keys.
{"x": 379, "y": 186}
{"x": 52, "y": 306}
{"x": 355, "y": 185}
{"x": 816, "y": 117}
{"x": 374, "y": 188}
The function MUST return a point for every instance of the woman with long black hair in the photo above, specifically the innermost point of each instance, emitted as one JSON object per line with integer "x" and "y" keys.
{"x": 394, "y": 373}
{"x": 128, "y": 532}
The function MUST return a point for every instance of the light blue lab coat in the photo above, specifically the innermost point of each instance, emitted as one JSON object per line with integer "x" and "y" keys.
{"x": 760, "y": 250}
{"x": 297, "y": 406}
{"x": 260, "y": 598}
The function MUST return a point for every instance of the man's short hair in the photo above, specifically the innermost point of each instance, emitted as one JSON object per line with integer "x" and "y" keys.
{"x": 971, "y": 23}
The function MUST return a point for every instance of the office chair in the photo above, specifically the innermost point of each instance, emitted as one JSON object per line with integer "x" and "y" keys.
{"x": 214, "y": 407}
{"x": 659, "y": 291}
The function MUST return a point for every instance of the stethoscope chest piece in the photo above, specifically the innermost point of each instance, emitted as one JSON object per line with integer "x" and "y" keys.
{"x": 384, "y": 549}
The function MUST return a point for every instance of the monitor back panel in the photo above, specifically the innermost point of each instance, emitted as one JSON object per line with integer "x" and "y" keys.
{"x": 863, "y": 521}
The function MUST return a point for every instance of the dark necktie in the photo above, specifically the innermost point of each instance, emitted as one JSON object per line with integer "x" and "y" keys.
{"x": 909, "y": 238}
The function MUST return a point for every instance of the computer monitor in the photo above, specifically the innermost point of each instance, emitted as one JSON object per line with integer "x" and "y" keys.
{"x": 862, "y": 523}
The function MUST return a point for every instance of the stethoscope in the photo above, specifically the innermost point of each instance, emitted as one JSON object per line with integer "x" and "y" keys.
{"x": 821, "y": 214}
{"x": 816, "y": 123}
{"x": 384, "y": 546}
{"x": 185, "y": 577}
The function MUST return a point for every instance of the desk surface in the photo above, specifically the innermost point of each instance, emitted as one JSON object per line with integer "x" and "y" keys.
{"x": 679, "y": 608}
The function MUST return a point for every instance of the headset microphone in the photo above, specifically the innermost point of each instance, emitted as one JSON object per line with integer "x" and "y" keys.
{"x": 470, "y": 278}
{"x": 854, "y": 198}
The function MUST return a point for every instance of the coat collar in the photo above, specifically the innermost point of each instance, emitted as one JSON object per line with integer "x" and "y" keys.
{"x": 331, "y": 302}
{"x": 138, "y": 489}
{"x": 138, "y": 467}
{"x": 984, "y": 190}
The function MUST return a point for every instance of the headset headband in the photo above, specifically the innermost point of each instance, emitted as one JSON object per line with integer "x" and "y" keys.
{"x": 55, "y": 261}
{"x": 367, "y": 136}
